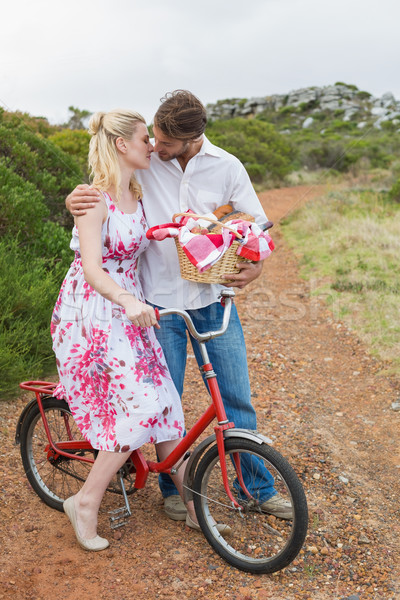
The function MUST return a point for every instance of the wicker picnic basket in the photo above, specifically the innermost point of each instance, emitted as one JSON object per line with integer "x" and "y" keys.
{"x": 226, "y": 264}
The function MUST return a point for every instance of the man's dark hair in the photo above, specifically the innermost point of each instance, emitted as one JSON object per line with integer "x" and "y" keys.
{"x": 181, "y": 116}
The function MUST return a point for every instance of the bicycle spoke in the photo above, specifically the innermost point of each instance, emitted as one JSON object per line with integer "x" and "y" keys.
{"x": 257, "y": 542}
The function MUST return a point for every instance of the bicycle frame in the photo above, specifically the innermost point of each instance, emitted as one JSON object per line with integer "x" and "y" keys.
{"x": 142, "y": 466}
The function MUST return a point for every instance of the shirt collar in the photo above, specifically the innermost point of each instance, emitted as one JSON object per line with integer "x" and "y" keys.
{"x": 209, "y": 148}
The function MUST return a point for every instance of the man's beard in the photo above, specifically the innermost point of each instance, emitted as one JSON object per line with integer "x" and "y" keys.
{"x": 168, "y": 157}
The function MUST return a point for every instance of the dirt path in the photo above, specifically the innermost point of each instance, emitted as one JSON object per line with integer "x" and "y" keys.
{"x": 320, "y": 397}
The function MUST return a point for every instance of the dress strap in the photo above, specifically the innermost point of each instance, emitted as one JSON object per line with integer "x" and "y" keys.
{"x": 107, "y": 198}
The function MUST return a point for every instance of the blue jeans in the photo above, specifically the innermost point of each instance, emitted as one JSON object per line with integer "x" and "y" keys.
{"x": 229, "y": 359}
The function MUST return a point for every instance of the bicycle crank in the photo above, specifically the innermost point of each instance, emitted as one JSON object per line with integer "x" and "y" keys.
{"x": 119, "y": 516}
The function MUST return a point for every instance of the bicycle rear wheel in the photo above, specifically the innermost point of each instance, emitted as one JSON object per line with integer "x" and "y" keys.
{"x": 53, "y": 479}
{"x": 258, "y": 542}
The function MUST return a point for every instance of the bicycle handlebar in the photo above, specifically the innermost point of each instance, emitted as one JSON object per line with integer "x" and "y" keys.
{"x": 226, "y": 298}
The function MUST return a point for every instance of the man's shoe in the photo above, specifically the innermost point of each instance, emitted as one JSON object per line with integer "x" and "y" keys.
{"x": 175, "y": 508}
{"x": 221, "y": 527}
{"x": 278, "y": 506}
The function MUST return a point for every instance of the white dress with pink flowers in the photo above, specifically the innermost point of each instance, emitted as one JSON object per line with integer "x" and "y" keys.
{"x": 112, "y": 373}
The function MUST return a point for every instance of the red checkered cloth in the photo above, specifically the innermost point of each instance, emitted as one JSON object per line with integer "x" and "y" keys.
{"x": 204, "y": 251}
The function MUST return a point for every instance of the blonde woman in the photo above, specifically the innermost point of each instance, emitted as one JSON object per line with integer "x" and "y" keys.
{"x": 112, "y": 370}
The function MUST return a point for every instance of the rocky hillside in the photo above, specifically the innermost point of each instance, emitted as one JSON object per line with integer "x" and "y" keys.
{"x": 306, "y": 106}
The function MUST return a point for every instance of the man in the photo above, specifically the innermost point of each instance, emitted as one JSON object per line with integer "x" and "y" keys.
{"x": 188, "y": 172}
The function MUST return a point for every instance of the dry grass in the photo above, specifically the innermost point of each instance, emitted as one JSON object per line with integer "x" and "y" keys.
{"x": 349, "y": 245}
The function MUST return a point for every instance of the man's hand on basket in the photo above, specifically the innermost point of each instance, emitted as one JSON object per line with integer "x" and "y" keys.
{"x": 248, "y": 272}
{"x": 82, "y": 198}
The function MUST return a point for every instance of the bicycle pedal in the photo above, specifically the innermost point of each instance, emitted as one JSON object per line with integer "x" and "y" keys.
{"x": 119, "y": 517}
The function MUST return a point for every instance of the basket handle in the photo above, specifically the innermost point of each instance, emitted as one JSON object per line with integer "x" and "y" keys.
{"x": 182, "y": 214}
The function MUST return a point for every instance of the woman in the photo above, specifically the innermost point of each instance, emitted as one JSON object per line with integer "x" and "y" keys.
{"x": 111, "y": 367}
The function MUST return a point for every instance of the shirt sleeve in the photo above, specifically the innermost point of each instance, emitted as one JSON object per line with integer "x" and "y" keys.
{"x": 244, "y": 197}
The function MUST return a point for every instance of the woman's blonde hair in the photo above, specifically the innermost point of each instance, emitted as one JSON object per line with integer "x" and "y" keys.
{"x": 105, "y": 128}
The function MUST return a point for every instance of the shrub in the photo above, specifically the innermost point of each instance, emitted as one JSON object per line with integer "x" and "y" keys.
{"x": 22, "y": 208}
{"x": 319, "y": 116}
{"x": 39, "y": 125}
{"x": 363, "y": 95}
{"x": 394, "y": 193}
{"x": 35, "y": 176}
{"x": 338, "y": 125}
{"x": 28, "y": 291}
{"x": 306, "y": 106}
{"x": 76, "y": 144}
{"x": 256, "y": 172}
{"x": 44, "y": 165}
{"x": 348, "y": 85}
{"x": 257, "y": 144}
{"x": 328, "y": 156}
{"x": 287, "y": 110}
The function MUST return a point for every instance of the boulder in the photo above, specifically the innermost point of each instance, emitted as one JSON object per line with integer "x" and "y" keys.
{"x": 328, "y": 98}
{"x": 350, "y": 112}
{"x": 308, "y": 122}
{"x": 388, "y": 99}
{"x": 303, "y": 96}
{"x": 378, "y": 111}
{"x": 330, "y": 104}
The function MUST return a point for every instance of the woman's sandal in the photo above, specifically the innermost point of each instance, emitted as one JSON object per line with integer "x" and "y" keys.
{"x": 94, "y": 544}
{"x": 221, "y": 527}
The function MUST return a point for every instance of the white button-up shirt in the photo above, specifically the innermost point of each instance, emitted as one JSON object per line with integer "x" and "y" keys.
{"x": 211, "y": 179}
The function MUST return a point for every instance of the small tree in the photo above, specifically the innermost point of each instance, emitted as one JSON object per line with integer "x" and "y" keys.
{"x": 77, "y": 118}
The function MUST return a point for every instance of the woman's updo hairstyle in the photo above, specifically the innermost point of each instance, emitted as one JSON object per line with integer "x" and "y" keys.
{"x": 105, "y": 128}
{"x": 96, "y": 122}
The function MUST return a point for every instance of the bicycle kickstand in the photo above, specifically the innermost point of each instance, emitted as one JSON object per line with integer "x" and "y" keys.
{"x": 119, "y": 516}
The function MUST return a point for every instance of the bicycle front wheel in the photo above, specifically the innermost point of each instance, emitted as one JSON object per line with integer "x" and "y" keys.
{"x": 258, "y": 542}
{"x": 54, "y": 479}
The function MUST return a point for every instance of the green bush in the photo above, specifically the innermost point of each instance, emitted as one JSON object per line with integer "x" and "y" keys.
{"x": 328, "y": 155}
{"x": 38, "y": 160}
{"x": 74, "y": 142}
{"x": 363, "y": 95}
{"x": 319, "y": 116}
{"x": 256, "y": 172}
{"x": 338, "y": 125}
{"x": 35, "y": 177}
{"x": 394, "y": 193}
{"x": 22, "y": 208}
{"x": 307, "y": 106}
{"x": 25, "y": 217}
{"x": 28, "y": 291}
{"x": 257, "y": 144}
{"x": 348, "y": 85}
{"x": 38, "y": 125}
{"x": 287, "y": 110}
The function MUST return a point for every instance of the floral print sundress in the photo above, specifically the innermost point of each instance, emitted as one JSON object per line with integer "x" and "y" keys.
{"x": 112, "y": 373}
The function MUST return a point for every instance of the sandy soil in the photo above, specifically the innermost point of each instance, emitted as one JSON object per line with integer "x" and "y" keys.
{"x": 322, "y": 399}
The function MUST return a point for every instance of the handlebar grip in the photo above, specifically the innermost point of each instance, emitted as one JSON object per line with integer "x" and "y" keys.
{"x": 267, "y": 225}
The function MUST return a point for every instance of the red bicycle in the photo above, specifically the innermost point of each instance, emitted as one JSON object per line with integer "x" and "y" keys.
{"x": 223, "y": 476}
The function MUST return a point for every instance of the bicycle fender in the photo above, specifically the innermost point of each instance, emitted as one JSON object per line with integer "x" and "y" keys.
{"x": 21, "y": 419}
{"x": 200, "y": 449}
{"x": 256, "y": 437}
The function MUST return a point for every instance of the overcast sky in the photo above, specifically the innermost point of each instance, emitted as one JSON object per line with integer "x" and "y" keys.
{"x": 99, "y": 55}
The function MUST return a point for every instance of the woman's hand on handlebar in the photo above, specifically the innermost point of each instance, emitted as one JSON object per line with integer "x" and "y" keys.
{"x": 140, "y": 313}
